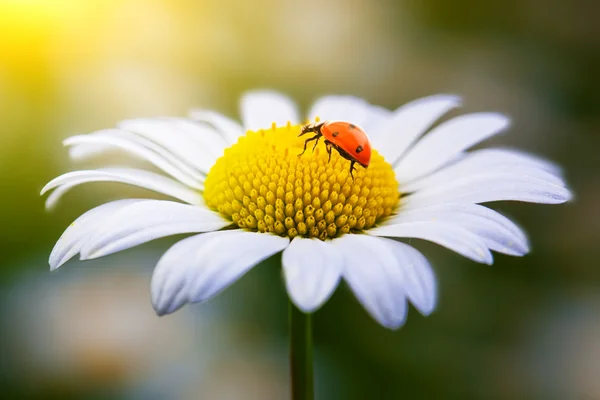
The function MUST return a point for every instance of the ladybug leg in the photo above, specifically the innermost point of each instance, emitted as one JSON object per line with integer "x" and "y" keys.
{"x": 352, "y": 168}
{"x": 328, "y": 147}
{"x": 316, "y": 137}
{"x": 316, "y": 143}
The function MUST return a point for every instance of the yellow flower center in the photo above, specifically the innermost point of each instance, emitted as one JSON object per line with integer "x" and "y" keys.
{"x": 262, "y": 185}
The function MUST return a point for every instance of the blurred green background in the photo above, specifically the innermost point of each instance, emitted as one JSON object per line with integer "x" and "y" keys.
{"x": 525, "y": 328}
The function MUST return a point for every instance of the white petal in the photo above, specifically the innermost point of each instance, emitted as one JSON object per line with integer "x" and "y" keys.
{"x": 409, "y": 122}
{"x": 450, "y": 236}
{"x": 312, "y": 271}
{"x": 419, "y": 281}
{"x": 231, "y": 257}
{"x": 228, "y": 128}
{"x": 76, "y": 235}
{"x": 494, "y": 186}
{"x": 372, "y": 271}
{"x": 147, "y": 220}
{"x": 259, "y": 109}
{"x": 203, "y": 136}
{"x": 487, "y": 161}
{"x": 58, "y": 193}
{"x": 176, "y": 269}
{"x": 520, "y": 157}
{"x": 497, "y": 232}
{"x": 198, "y": 145}
{"x": 136, "y": 177}
{"x": 85, "y": 151}
{"x": 144, "y": 149}
{"x": 349, "y": 108}
{"x": 178, "y": 162}
{"x": 376, "y": 118}
{"x": 447, "y": 141}
{"x": 197, "y": 268}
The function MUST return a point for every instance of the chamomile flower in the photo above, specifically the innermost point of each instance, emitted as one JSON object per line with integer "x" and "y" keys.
{"x": 247, "y": 195}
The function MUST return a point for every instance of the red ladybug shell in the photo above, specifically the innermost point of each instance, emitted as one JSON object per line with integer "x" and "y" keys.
{"x": 350, "y": 138}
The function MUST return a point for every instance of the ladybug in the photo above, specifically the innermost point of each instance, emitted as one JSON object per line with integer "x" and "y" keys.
{"x": 348, "y": 139}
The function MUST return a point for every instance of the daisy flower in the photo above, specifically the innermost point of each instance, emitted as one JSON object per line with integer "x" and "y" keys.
{"x": 247, "y": 195}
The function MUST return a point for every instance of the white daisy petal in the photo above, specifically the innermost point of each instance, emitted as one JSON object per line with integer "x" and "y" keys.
{"x": 200, "y": 267}
{"x": 518, "y": 157}
{"x": 230, "y": 257}
{"x": 450, "y": 236}
{"x": 464, "y": 209}
{"x": 82, "y": 149}
{"x": 377, "y": 117}
{"x": 228, "y": 128}
{"x": 83, "y": 152}
{"x": 76, "y": 235}
{"x": 447, "y": 141}
{"x": 482, "y": 188}
{"x": 409, "y": 122}
{"x": 419, "y": 281}
{"x": 58, "y": 193}
{"x": 136, "y": 177}
{"x": 349, "y": 108}
{"x": 259, "y": 109}
{"x": 312, "y": 271}
{"x": 174, "y": 271}
{"x": 144, "y": 149}
{"x": 487, "y": 161}
{"x": 201, "y": 135}
{"x": 497, "y": 232}
{"x": 339, "y": 108}
{"x": 372, "y": 271}
{"x": 196, "y": 145}
{"x": 147, "y": 220}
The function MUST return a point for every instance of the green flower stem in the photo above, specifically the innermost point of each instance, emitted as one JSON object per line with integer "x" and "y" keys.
{"x": 301, "y": 354}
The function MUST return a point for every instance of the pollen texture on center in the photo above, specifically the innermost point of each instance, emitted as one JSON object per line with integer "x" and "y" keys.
{"x": 262, "y": 185}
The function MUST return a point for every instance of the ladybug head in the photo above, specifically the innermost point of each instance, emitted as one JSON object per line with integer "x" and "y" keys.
{"x": 305, "y": 129}
{"x": 316, "y": 127}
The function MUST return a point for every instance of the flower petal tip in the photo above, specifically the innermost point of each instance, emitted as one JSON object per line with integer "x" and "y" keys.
{"x": 453, "y": 99}
{"x": 307, "y": 307}
{"x": 162, "y": 307}
{"x": 524, "y": 252}
{"x": 569, "y": 195}
{"x": 56, "y": 264}
{"x": 45, "y": 189}
{"x": 501, "y": 121}
{"x": 84, "y": 255}
{"x": 559, "y": 195}
{"x": 69, "y": 141}
{"x": 160, "y": 311}
{"x": 394, "y": 325}
{"x": 428, "y": 311}
{"x": 450, "y": 98}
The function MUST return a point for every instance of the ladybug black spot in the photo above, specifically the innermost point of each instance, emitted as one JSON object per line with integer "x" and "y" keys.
{"x": 334, "y": 134}
{"x": 352, "y": 126}
{"x": 359, "y": 149}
